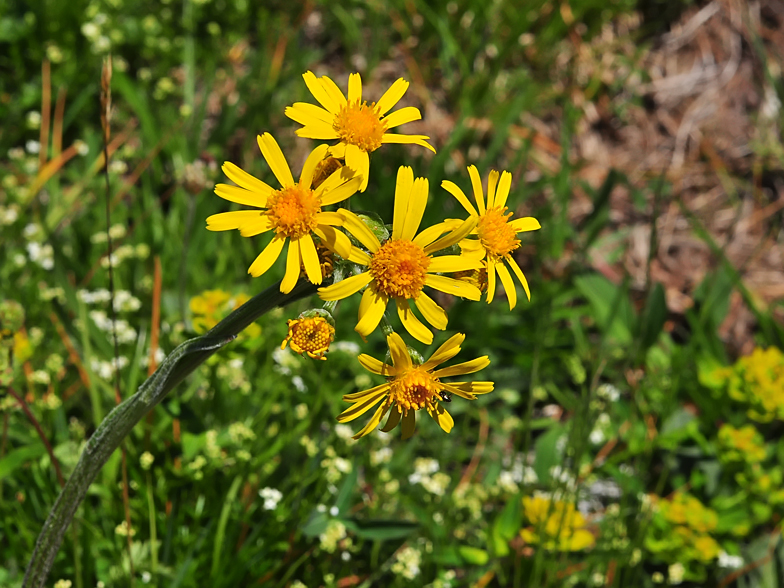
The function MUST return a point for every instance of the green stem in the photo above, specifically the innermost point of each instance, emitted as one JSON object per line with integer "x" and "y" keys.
{"x": 153, "y": 529}
{"x": 120, "y": 421}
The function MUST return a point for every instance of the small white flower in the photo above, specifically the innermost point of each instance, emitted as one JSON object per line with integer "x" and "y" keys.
{"x": 299, "y": 383}
{"x": 334, "y": 511}
{"x": 675, "y": 573}
{"x": 730, "y": 561}
{"x": 271, "y": 497}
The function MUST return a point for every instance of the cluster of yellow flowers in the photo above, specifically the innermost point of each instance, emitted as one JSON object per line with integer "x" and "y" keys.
{"x": 387, "y": 265}
{"x": 689, "y": 524}
{"x": 555, "y": 524}
{"x": 743, "y": 445}
{"x": 757, "y": 380}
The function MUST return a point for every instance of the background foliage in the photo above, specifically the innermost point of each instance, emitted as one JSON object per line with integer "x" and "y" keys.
{"x": 606, "y": 397}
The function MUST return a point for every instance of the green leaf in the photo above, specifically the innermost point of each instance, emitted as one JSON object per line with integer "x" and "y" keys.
{"x": 316, "y": 524}
{"x": 545, "y": 452}
{"x": 19, "y": 457}
{"x": 473, "y": 555}
{"x": 653, "y": 316}
{"x": 381, "y": 530}
{"x": 506, "y": 526}
{"x": 346, "y": 490}
{"x": 614, "y": 313}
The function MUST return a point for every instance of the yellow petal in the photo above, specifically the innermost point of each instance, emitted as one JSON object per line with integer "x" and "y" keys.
{"x": 291, "y": 277}
{"x": 260, "y": 225}
{"x": 393, "y": 420}
{"x": 363, "y": 394}
{"x": 411, "y": 323}
{"x": 359, "y": 161}
{"x": 476, "y": 183}
{"x": 420, "y": 140}
{"x": 345, "y": 288}
{"x": 519, "y": 273}
{"x": 305, "y": 114}
{"x": 430, "y": 234}
{"x": 490, "y": 280}
{"x": 492, "y": 182}
{"x": 401, "y": 359}
{"x": 416, "y": 208}
{"x": 441, "y": 416}
{"x": 455, "y": 236}
{"x": 474, "y": 387}
{"x": 446, "y": 352}
{"x": 342, "y": 192}
{"x": 409, "y": 424}
{"x": 457, "y": 391}
{"x": 317, "y": 130}
{"x": 403, "y": 186}
{"x": 391, "y": 96}
{"x": 241, "y": 195}
{"x": 453, "y": 263}
{"x": 358, "y": 256}
{"x": 316, "y": 156}
{"x": 452, "y": 188}
{"x": 319, "y": 93}
{"x": 373, "y": 422}
{"x": 467, "y": 367}
{"x": 267, "y": 257}
{"x": 354, "y": 88}
{"x": 402, "y": 116}
{"x": 453, "y": 287}
{"x": 226, "y": 221}
{"x": 331, "y": 88}
{"x": 310, "y": 259}
{"x": 509, "y": 287}
{"x": 433, "y": 313}
{"x": 243, "y": 179}
{"x": 374, "y": 365}
{"x": 360, "y": 230}
{"x": 361, "y": 407}
{"x": 335, "y": 240}
{"x": 274, "y": 156}
{"x": 371, "y": 309}
{"x": 527, "y": 223}
{"x": 503, "y": 189}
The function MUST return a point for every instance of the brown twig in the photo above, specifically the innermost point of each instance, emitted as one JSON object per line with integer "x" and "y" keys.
{"x": 46, "y": 106}
{"x": 73, "y": 355}
{"x": 755, "y": 564}
{"x": 40, "y": 431}
{"x": 57, "y": 126}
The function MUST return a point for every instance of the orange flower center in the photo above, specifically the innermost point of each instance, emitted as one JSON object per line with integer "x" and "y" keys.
{"x": 498, "y": 237}
{"x": 399, "y": 269}
{"x": 414, "y": 389}
{"x": 360, "y": 125}
{"x": 293, "y": 211}
{"x": 310, "y": 335}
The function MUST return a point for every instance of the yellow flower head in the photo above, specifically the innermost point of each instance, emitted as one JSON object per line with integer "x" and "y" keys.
{"x": 293, "y": 213}
{"x": 496, "y": 231}
{"x": 744, "y": 444}
{"x": 310, "y": 335}
{"x": 758, "y": 379}
{"x": 402, "y": 266}
{"x": 556, "y": 525}
{"x": 211, "y": 306}
{"x": 360, "y": 127}
{"x": 412, "y": 386}
{"x": 685, "y": 509}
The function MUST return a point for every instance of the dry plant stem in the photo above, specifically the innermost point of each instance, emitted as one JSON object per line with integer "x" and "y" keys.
{"x": 118, "y": 423}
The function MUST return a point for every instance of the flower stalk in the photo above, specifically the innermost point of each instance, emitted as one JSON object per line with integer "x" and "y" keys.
{"x": 118, "y": 423}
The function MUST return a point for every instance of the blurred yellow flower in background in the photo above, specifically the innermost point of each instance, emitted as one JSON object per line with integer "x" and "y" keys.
{"x": 555, "y": 524}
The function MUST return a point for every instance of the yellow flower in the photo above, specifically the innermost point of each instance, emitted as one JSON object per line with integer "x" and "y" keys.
{"x": 294, "y": 212}
{"x": 412, "y": 386}
{"x": 309, "y": 335}
{"x": 759, "y": 380}
{"x": 496, "y": 231}
{"x": 361, "y": 128}
{"x": 210, "y": 306}
{"x": 556, "y": 525}
{"x": 402, "y": 266}
{"x": 744, "y": 444}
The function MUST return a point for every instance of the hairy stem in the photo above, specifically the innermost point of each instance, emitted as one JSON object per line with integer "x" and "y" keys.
{"x": 118, "y": 423}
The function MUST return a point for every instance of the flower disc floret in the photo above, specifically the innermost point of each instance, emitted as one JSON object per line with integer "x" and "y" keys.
{"x": 292, "y": 211}
{"x": 495, "y": 233}
{"x": 360, "y": 125}
{"x": 415, "y": 389}
{"x": 400, "y": 268}
{"x": 311, "y": 336}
